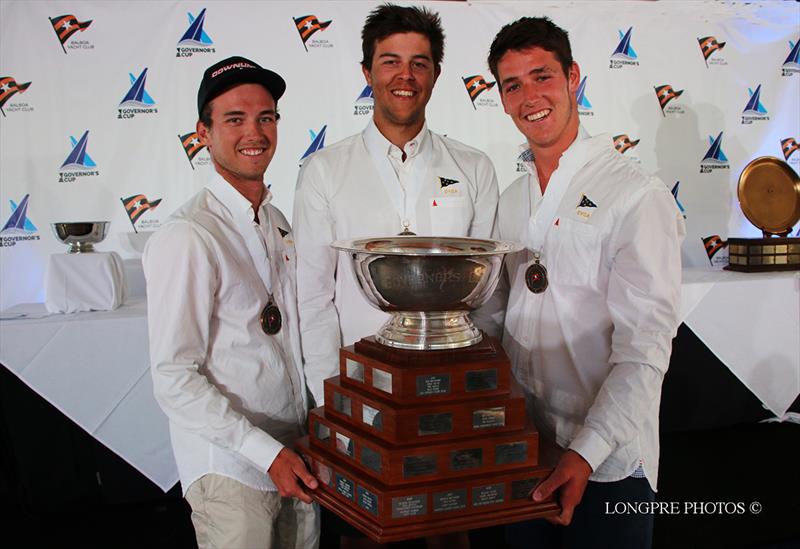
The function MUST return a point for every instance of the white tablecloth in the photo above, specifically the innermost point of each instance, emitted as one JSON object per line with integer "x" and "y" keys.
{"x": 751, "y": 322}
{"x": 94, "y": 366}
{"x": 84, "y": 282}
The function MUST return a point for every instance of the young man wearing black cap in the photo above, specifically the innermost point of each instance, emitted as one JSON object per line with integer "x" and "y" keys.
{"x": 223, "y": 323}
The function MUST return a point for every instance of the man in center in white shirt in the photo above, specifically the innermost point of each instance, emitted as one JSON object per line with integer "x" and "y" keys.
{"x": 396, "y": 175}
{"x": 594, "y": 298}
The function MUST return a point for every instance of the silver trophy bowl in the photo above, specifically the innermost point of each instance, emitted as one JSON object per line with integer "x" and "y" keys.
{"x": 80, "y": 237}
{"x": 428, "y": 284}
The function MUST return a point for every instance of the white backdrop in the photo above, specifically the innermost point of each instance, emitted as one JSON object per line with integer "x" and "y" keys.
{"x": 55, "y": 92}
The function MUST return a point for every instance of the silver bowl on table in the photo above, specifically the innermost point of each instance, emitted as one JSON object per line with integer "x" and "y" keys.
{"x": 80, "y": 236}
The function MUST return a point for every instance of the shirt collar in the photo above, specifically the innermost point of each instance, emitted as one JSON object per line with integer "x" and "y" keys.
{"x": 378, "y": 145}
{"x": 232, "y": 199}
{"x": 527, "y": 158}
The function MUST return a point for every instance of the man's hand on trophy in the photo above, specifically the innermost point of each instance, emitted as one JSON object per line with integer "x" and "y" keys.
{"x": 285, "y": 471}
{"x": 569, "y": 479}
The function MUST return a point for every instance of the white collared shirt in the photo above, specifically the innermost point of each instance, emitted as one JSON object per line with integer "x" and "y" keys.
{"x": 592, "y": 350}
{"x": 234, "y": 396}
{"x": 340, "y": 194}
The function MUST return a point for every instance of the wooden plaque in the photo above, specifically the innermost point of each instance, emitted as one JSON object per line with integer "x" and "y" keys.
{"x": 416, "y": 443}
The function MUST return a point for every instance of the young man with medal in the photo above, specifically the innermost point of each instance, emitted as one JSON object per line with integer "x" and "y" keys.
{"x": 224, "y": 334}
{"x": 395, "y": 177}
{"x": 592, "y": 303}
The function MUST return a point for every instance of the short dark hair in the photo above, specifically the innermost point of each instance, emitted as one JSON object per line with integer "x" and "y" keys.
{"x": 531, "y": 32}
{"x": 205, "y": 114}
{"x": 388, "y": 19}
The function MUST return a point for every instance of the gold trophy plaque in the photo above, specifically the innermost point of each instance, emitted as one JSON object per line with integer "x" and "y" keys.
{"x": 769, "y": 195}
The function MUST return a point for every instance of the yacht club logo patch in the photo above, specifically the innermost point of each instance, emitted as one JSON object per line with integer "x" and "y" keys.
{"x": 65, "y": 26}
{"x": 475, "y": 86}
{"x": 307, "y": 26}
{"x": 9, "y": 87}
{"x": 709, "y": 45}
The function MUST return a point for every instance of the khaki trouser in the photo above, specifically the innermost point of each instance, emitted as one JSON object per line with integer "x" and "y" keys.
{"x": 229, "y": 515}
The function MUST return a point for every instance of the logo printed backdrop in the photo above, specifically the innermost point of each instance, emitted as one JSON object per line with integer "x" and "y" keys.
{"x": 716, "y": 54}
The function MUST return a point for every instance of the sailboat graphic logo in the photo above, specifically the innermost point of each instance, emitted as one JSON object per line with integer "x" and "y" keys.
{"x": 714, "y": 157}
{"x": 624, "y": 54}
{"x": 195, "y": 35}
{"x": 317, "y": 141}
{"x": 584, "y": 105}
{"x": 79, "y": 159}
{"x": 792, "y": 64}
{"x": 18, "y": 222}
{"x": 137, "y": 96}
{"x": 754, "y": 110}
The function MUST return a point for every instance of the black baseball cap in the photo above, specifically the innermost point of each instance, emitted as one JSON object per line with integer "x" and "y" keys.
{"x": 236, "y": 70}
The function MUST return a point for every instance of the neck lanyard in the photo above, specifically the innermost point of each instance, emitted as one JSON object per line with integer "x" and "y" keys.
{"x": 405, "y": 199}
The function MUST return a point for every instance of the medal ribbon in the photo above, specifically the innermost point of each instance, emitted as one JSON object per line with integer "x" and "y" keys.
{"x": 403, "y": 200}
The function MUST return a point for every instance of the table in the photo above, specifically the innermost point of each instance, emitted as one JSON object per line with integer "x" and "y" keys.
{"x": 94, "y": 366}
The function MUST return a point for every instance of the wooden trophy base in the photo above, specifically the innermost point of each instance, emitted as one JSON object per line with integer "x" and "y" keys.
{"x": 753, "y": 255}
{"x": 417, "y": 443}
{"x": 428, "y": 508}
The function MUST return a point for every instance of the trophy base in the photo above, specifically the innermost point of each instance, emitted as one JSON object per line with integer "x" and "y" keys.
{"x": 388, "y": 514}
{"x": 424, "y": 331}
{"x": 753, "y": 255}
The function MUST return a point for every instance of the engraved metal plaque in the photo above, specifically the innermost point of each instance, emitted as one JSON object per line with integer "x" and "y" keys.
{"x": 341, "y": 403}
{"x": 513, "y": 452}
{"x": 469, "y": 458}
{"x": 355, "y": 370}
{"x": 370, "y": 458}
{"x": 415, "y": 466}
{"x": 409, "y": 506}
{"x": 372, "y": 417}
{"x": 382, "y": 380}
{"x": 438, "y": 384}
{"x": 521, "y": 489}
{"x": 488, "y": 495}
{"x": 324, "y": 474}
{"x": 481, "y": 380}
{"x": 344, "y": 486}
{"x": 367, "y": 500}
{"x": 321, "y": 431}
{"x": 489, "y": 417}
{"x": 451, "y": 500}
{"x": 435, "y": 424}
{"x": 344, "y": 445}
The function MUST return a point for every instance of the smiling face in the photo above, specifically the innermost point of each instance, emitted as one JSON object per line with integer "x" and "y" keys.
{"x": 243, "y": 133}
{"x": 540, "y": 98}
{"x": 402, "y": 78}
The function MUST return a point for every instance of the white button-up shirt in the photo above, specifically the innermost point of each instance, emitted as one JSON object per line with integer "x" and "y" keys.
{"x": 234, "y": 396}
{"x": 451, "y": 190}
{"x": 592, "y": 349}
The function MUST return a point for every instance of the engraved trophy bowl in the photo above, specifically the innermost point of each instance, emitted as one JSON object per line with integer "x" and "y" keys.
{"x": 428, "y": 284}
{"x": 81, "y": 236}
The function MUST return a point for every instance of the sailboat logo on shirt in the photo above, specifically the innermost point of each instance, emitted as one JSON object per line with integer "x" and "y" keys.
{"x": 195, "y": 39}
{"x": 584, "y": 207}
{"x": 624, "y": 54}
{"x": 317, "y": 142}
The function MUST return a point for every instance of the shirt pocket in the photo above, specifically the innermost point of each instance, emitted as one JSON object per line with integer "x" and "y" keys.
{"x": 450, "y": 215}
{"x": 576, "y": 260}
